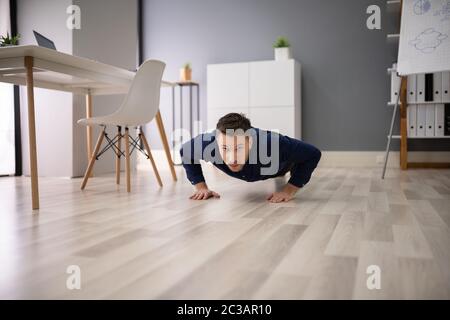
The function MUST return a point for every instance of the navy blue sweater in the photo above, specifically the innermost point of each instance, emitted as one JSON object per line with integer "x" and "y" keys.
{"x": 296, "y": 156}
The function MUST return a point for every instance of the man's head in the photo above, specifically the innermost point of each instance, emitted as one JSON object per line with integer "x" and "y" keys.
{"x": 233, "y": 140}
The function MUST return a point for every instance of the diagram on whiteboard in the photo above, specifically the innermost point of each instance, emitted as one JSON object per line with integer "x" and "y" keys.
{"x": 422, "y": 6}
{"x": 444, "y": 12}
{"x": 424, "y": 42}
{"x": 428, "y": 40}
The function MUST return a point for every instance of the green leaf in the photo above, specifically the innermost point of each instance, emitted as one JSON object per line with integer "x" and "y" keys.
{"x": 9, "y": 40}
{"x": 282, "y": 42}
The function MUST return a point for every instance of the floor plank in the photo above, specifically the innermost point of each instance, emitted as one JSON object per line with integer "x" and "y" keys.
{"x": 156, "y": 243}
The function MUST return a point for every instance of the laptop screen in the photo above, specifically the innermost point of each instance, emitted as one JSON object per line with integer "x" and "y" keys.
{"x": 43, "y": 41}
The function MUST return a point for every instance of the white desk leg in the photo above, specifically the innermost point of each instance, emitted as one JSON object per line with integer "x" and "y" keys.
{"x": 89, "y": 128}
{"x": 32, "y": 134}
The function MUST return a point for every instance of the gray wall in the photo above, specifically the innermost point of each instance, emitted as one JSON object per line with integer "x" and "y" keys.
{"x": 108, "y": 34}
{"x": 344, "y": 82}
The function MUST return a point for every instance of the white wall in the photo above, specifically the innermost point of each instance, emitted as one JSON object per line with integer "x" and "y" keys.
{"x": 53, "y": 109}
{"x": 108, "y": 34}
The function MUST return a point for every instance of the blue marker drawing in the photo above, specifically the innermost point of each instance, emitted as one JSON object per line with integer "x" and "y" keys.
{"x": 444, "y": 12}
{"x": 422, "y": 6}
{"x": 428, "y": 40}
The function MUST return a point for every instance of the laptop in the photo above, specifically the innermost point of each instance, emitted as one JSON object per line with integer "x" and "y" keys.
{"x": 44, "y": 41}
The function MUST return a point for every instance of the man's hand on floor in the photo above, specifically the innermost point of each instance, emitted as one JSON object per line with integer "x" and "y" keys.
{"x": 284, "y": 195}
{"x": 202, "y": 192}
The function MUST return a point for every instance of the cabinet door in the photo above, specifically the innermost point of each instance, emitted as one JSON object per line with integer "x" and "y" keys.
{"x": 227, "y": 85}
{"x": 214, "y": 114}
{"x": 279, "y": 119}
{"x": 272, "y": 83}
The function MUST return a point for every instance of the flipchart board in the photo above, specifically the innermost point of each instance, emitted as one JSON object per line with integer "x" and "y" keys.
{"x": 424, "y": 37}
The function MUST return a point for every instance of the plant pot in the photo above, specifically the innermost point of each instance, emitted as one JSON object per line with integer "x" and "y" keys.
{"x": 185, "y": 74}
{"x": 283, "y": 53}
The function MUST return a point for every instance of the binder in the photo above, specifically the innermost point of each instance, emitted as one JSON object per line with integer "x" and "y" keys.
{"x": 412, "y": 83}
{"x": 429, "y": 120}
{"x": 421, "y": 117}
{"x": 437, "y": 93}
{"x": 447, "y": 119}
{"x": 420, "y": 92}
{"x": 439, "y": 114}
{"x": 445, "y": 91}
{"x": 395, "y": 85}
{"x": 429, "y": 90}
{"x": 411, "y": 119}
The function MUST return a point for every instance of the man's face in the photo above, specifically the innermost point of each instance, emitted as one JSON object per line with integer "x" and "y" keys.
{"x": 234, "y": 150}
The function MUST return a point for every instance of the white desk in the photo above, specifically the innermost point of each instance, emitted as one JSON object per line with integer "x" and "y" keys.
{"x": 34, "y": 66}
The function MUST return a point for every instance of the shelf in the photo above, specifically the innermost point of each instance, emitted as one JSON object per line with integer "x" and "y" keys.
{"x": 391, "y": 104}
{"x": 186, "y": 83}
{"x": 393, "y": 6}
{"x": 393, "y": 37}
{"x": 390, "y": 70}
{"x": 398, "y": 137}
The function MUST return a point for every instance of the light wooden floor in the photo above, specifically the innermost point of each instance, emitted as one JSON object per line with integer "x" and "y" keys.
{"x": 156, "y": 243}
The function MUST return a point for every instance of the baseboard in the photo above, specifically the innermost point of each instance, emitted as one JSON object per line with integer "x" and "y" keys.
{"x": 358, "y": 159}
{"x": 349, "y": 159}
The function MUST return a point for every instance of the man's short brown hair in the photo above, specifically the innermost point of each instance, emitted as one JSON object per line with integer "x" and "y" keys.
{"x": 233, "y": 121}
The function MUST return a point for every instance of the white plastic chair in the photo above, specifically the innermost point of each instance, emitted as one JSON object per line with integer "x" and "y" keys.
{"x": 138, "y": 108}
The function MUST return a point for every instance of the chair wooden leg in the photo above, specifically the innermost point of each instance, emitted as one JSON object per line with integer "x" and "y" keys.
{"x": 92, "y": 161}
{"x": 119, "y": 144}
{"x": 152, "y": 161}
{"x": 127, "y": 159}
{"x": 165, "y": 143}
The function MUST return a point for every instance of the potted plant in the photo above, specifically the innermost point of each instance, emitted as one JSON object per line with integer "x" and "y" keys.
{"x": 9, "y": 40}
{"x": 282, "y": 49}
{"x": 186, "y": 72}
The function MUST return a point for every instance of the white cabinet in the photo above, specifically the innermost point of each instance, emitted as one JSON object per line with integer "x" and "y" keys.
{"x": 273, "y": 118}
{"x": 214, "y": 114}
{"x": 268, "y": 92}
{"x": 228, "y": 85}
{"x": 271, "y": 83}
